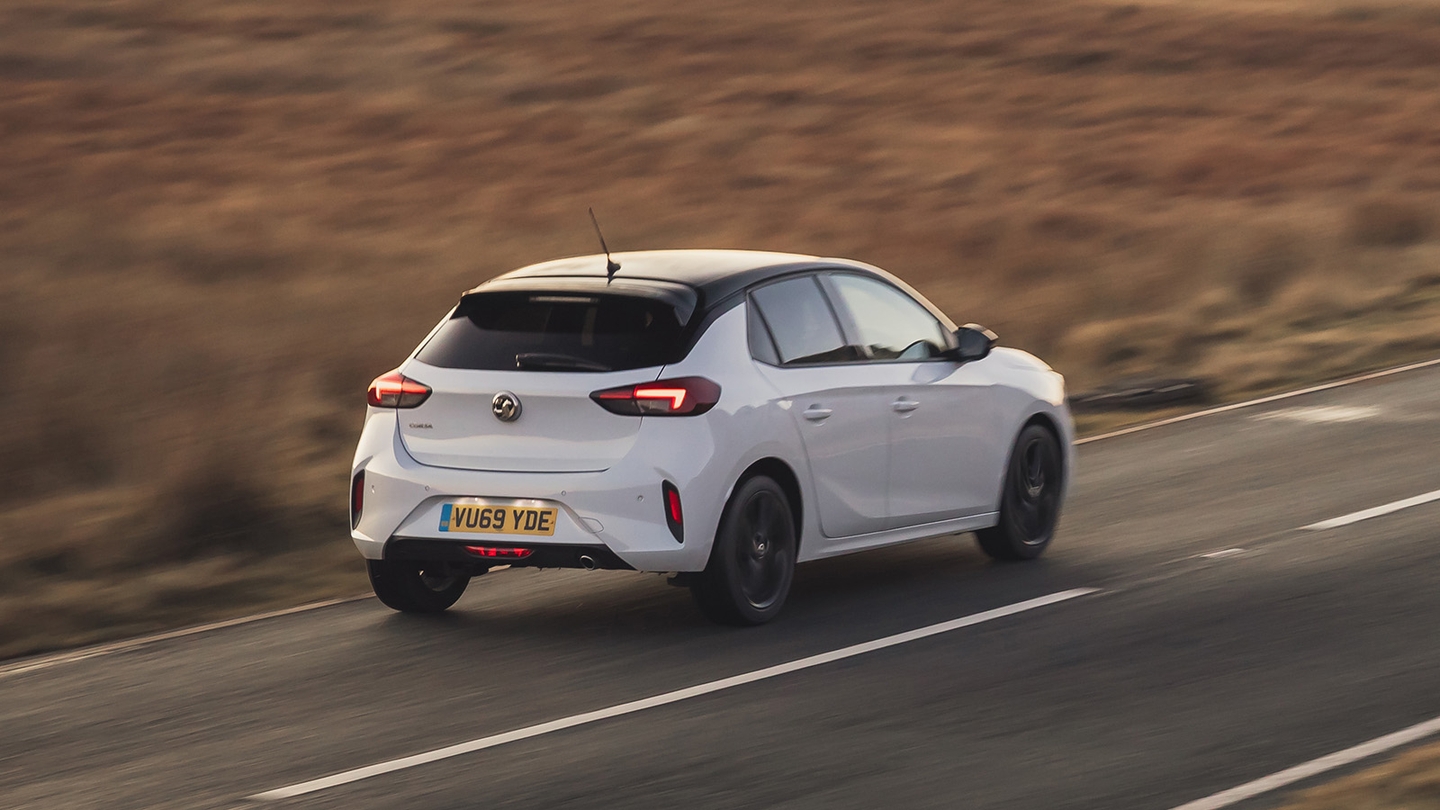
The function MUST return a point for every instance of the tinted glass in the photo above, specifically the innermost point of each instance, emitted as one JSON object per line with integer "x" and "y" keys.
{"x": 891, "y": 324}
{"x": 555, "y": 332}
{"x": 800, "y": 319}
{"x": 762, "y": 348}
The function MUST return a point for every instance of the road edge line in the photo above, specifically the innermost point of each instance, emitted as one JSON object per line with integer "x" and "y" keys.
{"x": 1235, "y": 406}
{"x": 25, "y": 665}
{"x": 1315, "y": 767}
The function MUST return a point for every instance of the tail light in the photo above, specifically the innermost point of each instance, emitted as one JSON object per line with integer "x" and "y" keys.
{"x": 395, "y": 390}
{"x": 682, "y": 396}
{"x": 357, "y": 498}
{"x": 674, "y": 515}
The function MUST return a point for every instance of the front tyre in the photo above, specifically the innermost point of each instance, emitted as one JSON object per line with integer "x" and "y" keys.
{"x": 1030, "y": 501}
{"x": 752, "y": 562}
{"x": 408, "y": 587}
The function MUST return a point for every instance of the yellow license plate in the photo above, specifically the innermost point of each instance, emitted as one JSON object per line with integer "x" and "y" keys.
{"x": 528, "y": 520}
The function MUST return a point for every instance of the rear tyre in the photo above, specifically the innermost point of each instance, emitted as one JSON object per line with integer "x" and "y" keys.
{"x": 1030, "y": 502}
{"x": 753, "y": 560}
{"x": 408, "y": 587}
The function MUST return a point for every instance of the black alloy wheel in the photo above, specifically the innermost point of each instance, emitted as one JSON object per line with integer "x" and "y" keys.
{"x": 752, "y": 562}
{"x": 415, "y": 587}
{"x": 1030, "y": 501}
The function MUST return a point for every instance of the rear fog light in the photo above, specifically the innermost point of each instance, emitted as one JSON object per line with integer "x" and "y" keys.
{"x": 500, "y": 552}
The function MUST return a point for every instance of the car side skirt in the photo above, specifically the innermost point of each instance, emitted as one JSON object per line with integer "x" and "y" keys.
{"x": 907, "y": 534}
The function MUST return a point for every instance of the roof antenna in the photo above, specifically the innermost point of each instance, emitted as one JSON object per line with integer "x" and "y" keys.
{"x": 611, "y": 266}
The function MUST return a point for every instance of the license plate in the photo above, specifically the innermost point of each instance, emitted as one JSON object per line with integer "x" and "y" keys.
{"x": 528, "y": 520}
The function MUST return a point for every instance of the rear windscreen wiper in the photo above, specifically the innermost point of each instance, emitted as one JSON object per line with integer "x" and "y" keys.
{"x": 541, "y": 360}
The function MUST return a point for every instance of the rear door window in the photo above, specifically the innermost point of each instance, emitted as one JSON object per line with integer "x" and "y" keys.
{"x": 802, "y": 322}
{"x": 544, "y": 331}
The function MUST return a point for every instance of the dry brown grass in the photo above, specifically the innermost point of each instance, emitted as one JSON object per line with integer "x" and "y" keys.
{"x": 219, "y": 220}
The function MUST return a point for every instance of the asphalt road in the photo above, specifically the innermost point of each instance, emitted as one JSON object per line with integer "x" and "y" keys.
{"x": 1183, "y": 676}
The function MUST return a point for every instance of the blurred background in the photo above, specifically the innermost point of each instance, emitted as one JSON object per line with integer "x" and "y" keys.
{"x": 220, "y": 220}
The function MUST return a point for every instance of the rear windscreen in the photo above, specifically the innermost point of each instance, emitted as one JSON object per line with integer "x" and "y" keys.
{"x": 555, "y": 332}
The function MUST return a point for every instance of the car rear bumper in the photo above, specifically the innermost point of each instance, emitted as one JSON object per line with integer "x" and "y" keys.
{"x": 620, "y": 509}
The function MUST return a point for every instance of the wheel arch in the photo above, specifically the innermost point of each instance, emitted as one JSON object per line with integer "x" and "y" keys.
{"x": 1046, "y": 421}
{"x": 781, "y": 473}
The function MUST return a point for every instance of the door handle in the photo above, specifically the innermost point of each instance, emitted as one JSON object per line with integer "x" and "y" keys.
{"x": 904, "y": 405}
{"x": 815, "y": 413}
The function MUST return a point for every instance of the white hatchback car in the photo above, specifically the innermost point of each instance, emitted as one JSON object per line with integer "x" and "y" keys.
{"x": 722, "y": 415}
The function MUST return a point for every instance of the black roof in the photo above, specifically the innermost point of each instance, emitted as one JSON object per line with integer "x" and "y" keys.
{"x": 716, "y": 274}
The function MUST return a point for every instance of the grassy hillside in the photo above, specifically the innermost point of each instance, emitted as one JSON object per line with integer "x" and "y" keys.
{"x": 219, "y": 220}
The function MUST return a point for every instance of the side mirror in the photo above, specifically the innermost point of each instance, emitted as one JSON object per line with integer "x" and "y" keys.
{"x": 973, "y": 342}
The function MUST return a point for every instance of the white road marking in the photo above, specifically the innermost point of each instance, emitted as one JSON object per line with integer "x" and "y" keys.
{"x": 1315, "y": 767}
{"x": 1325, "y": 414}
{"x": 1366, "y": 514}
{"x": 667, "y": 698}
{"x": 47, "y": 661}
{"x": 1186, "y": 417}
{"x": 1221, "y": 554}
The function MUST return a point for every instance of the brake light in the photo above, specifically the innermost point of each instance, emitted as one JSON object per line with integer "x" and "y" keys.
{"x": 395, "y": 390}
{"x": 676, "y": 396}
{"x": 357, "y": 498}
{"x": 674, "y": 515}
{"x": 682, "y": 396}
{"x": 500, "y": 552}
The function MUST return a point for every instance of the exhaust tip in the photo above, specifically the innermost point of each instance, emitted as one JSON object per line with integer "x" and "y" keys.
{"x": 587, "y": 562}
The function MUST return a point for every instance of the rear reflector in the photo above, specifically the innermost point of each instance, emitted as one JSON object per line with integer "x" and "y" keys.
{"x": 673, "y": 504}
{"x": 500, "y": 552}
{"x": 395, "y": 390}
{"x": 357, "y": 498}
{"x": 682, "y": 396}
{"x": 674, "y": 515}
